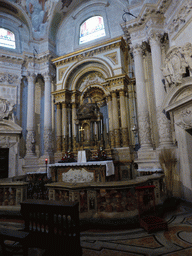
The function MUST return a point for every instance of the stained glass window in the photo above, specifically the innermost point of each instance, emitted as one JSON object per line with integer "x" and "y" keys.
{"x": 91, "y": 29}
{"x": 7, "y": 38}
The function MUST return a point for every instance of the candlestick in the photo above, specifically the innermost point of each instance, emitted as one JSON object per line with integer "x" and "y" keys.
{"x": 107, "y": 125}
{"x": 64, "y": 131}
{"x": 101, "y": 126}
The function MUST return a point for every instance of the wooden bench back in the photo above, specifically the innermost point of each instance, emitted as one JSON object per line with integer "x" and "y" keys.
{"x": 52, "y": 222}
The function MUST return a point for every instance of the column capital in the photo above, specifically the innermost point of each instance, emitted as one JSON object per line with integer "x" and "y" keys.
{"x": 122, "y": 92}
{"x": 31, "y": 77}
{"x": 155, "y": 38}
{"x": 114, "y": 94}
{"x": 137, "y": 49}
{"x": 64, "y": 105}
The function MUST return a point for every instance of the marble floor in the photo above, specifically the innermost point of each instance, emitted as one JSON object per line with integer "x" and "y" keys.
{"x": 177, "y": 241}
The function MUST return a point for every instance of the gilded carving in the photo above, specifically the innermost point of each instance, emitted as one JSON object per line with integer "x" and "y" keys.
{"x": 112, "y": 57}
{"x": 90, "y": 79}
{"x": 124, "y": 134}
{"x": 61, "y": 72}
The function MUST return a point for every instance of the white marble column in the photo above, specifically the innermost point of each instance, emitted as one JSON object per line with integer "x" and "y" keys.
{"x": 64, "y": 125}
{"x": 30, "y": 144}
{"x": 164, "y": 125}
{"x": 142, "y": 106}
{"x": 59, "y": 128}
{"x": 110, "y": 116}
{"x": 124, "y": 123}
{"x": 115, "y": 120}
{"x": 47, "y": 116}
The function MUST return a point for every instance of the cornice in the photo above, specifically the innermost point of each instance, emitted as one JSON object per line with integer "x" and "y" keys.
{"x": 150, "y": 15}
{"x": 13, "y": 58}
{"x": 91, "y": 51}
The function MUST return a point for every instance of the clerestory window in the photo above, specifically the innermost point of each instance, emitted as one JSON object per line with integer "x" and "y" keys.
{"x": 7, "y": 38}
{"x": 91, "y": 29}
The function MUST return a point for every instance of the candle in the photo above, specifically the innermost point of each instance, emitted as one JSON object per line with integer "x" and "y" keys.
{"x": 69, "y": 130}
{"x": 101, "y": 126}
{"x": 64, "y": 131}
{"x": 75, "y": 130}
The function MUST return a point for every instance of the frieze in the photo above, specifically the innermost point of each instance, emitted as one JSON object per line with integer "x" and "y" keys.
{"x": 10, "y": 78}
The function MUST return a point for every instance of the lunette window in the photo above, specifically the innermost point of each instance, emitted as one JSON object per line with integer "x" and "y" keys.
{"x": 91, "y": 29}
{"x": 7, "y": 39}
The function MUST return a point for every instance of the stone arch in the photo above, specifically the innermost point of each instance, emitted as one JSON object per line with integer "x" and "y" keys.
{"x": 178, "y": 95}
{"x": 79, "y": 69}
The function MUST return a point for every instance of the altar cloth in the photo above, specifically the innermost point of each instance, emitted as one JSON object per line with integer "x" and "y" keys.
{"x": 110, "y": 169}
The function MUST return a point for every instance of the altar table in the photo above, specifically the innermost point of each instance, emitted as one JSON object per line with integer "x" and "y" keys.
{"x": 109, "y": 166}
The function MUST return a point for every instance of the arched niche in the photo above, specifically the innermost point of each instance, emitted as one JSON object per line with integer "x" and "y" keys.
{"x": 79, "y": 69}
{"x": 178, "y": 104}
{"x": 9, "y": 139}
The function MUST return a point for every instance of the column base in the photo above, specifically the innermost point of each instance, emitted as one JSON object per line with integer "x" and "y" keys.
{"x": 147, "y": 160}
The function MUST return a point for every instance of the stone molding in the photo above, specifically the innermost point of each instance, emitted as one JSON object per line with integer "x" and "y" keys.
{"x": 91, "y": 51}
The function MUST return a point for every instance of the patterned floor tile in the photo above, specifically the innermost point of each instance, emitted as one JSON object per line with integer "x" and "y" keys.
{"x": 147, "y": 242}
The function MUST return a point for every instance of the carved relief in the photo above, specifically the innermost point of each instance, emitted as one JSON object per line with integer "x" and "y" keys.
{"x": 112, "y": 57}
{"x": 30, "y": 145}
{"x": 144, "y": 129}
{"x": 164, "y": 126}
{"x": 176, "y": 61}
{"x": 61, "y": 72}
{"x": 78, "y": 176}
{"x": 92, "y": 78}
{"x": 184, "y": 118}
{"x": 48, "y": 139}
{"x": 6, "y": 108}
{"x": 181, "y": 17}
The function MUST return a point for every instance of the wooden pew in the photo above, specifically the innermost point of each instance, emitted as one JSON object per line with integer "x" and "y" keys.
{"x": 53, "y": 226}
